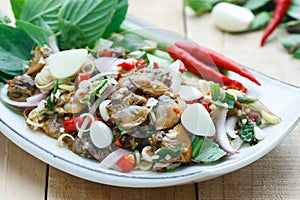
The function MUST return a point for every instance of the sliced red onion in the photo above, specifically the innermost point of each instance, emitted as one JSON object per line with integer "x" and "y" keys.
{"x": 107, "y": 64}
{"x": 112, "y": 158}
{"x": 35, "y": 99}
{"x": 221, "y": 135}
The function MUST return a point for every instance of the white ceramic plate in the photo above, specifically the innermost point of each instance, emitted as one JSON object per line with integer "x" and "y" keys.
{"x": 272, "y": 94}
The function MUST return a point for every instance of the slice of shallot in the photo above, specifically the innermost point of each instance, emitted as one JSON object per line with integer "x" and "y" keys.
{"x": 101, "y": 135}
{"x": 197, "y": 120}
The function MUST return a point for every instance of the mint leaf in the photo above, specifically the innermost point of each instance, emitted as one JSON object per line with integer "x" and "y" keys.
{"x": 131, "y": 42}
{"x": 117, "y": 19}
{"x": 92, "y": 17}
{"x": 15, "y": 48}
{"x": 209, "y": 152}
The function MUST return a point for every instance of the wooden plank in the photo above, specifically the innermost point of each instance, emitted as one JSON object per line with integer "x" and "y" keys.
{"x": 164, "y": 14}
{"x": 21, "y": 175}
{"x": 65, "y": 186}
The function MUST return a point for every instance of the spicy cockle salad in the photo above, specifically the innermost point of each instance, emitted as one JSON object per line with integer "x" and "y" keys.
{"x": 143, "y": 109}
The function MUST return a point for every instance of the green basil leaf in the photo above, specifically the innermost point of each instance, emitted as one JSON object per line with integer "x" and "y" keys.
{"x": 294, "y": 9}
{"x": 209, "y": 152}
{"x": 15, "y": 48}
{"x": 255, "y": 5}
{"x": 33, "y": 10}
{"x": 16, "y": 6}
{"x": 117, "y": 19}
{"x": 39, "y": 35}
{"x": 199, "y": 6}
{"x": 92, "y": 17}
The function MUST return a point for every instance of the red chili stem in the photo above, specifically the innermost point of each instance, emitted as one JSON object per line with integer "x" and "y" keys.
{"x": 198, "y": 67}
{"x": 280, "y": 10}
{"x": 211, "y": 57}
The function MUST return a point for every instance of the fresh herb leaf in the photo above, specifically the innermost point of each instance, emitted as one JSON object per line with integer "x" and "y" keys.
{"x": 246, "y": 100}
{"x": 296, "y": 54}
{"x": 255, "y": 5}
{"x": 117, "y": 19}
{"x": 229, "y": 100}
{"x": 15, "y": 48}
{"x": 196, "y": 145}
{"x": 163, "y": 152}
{"x": 215, "y": 92}
{"x": 131, "y": 42}
{"x": 246, "y": 132}
{"x": 209, "y": 152}
{"x": 294, "y": 9}
{"x": 199, "y": 6}
{"x": 71, "y": 36}
{"x": 260, "y": 21}
{"x": 39, "y": 35}
{"x": 40, "y": 11}
{"x": 92, "y": 17}
{"x": 289, "y": 41}
{"x": 16, "y": 6}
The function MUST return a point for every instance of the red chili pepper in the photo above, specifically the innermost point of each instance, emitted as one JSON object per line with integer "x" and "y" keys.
{"x": 280, "y": 10}
{"x": 83, "y": 76}
{"x": 211, "y": 57}
{"x": 127, "y": 66}
{"x": 140, "y": 63}
{"x": 126, "y": 163}
{"x": 155, "y": 65}
{"x": 206, "y": 104}
{"x": 9, "y": 82}
{"x": 237, "y": 85}
{"x": 182, "y": 68}
{"x": 198, "y": 67}
{"x": 70, "y": 124}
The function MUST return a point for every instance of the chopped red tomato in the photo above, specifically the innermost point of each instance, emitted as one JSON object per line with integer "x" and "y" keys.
{"x": 126, "y": 163}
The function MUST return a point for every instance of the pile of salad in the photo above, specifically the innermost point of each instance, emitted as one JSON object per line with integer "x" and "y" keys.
{"x": 143, "y": 109}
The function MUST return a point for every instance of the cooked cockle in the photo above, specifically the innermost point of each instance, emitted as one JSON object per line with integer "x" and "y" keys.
{"x": 20, "y": 88}
{"x": 52, "y": 126}
{"x": 123, "y": 98}
{"x": 85, "y": 148}
{"x": 168, "y": 111}
{"x": 131, "y": 116}
{"x": 173, "y": 146}
{"x": 38, "y": 60}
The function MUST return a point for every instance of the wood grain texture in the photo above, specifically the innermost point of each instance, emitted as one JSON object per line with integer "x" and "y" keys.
{"x": 21, "y": 175}
{"x": 275, "y": 176}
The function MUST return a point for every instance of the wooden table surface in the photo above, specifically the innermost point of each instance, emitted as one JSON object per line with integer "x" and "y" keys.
{"x": 275, "y": 176}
